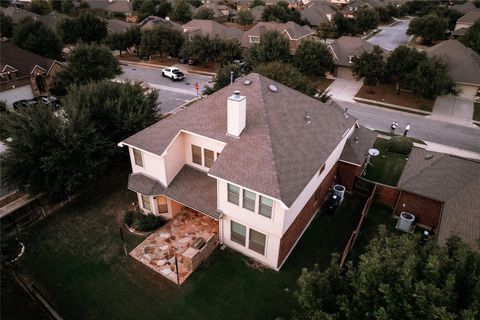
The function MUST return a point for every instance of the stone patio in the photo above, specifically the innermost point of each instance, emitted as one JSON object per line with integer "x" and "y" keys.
{"x": 171, "y": 245}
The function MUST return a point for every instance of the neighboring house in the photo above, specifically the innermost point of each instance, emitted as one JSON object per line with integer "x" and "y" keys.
{"x": 212, "y": 28}
{"x": 290, "y": 30}
{"x": 243, "y": 5}
{"x": 221, "y": 12}
{"x": 257, "y": 13}
{"x": 463, "y": 65}
{"x": 24, "y": 74}
{"x": 17, "y": 14}
{"x": 442, "y": 191}
{"x": 116, "y": 25}
{"x": 465, "y": 8}
{"x": 340, "y": 2}
{"x": 256, "y": 157}
{"x": 465, "y": 22}
{"x": 343, "y": 50}
{"x": 120, "y": 7}
{"x": 317, "y": 13}
{"x": 150, "y": 22}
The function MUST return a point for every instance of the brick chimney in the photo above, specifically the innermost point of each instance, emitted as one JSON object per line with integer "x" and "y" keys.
{"x": 236, "y": 114}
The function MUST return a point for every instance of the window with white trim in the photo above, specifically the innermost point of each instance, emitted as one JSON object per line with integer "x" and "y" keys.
{"x": 256, "y": 241}
{"x": 249, "y": 200}
{"x": 208, "y": 156}
{"x": 137, "y": 157}
{"x": 238, "y": 233}
{"x": 265, "y": 207}
{"x": 146, "y": 203}
{"x": 233, "y": 194}
{"x": 196, "y": 154}
{"x": 254, "y": 39}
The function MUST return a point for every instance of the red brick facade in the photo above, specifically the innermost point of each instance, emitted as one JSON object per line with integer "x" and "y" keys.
{"x": 426, "y": 211}
{"x": 347, "y": 173}
{"x": 300, "y": 223}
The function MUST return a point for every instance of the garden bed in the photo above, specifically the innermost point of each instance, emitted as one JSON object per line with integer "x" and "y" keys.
{"x": 141, "y": 223}
{"x": 386, "y": 93}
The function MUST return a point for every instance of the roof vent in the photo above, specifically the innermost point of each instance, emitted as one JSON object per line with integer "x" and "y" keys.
{"x": 247, "y": 82}
{"x": 428, "y": 156}
{"x": 272, "y": 88}
{"x": 307, "y": 117}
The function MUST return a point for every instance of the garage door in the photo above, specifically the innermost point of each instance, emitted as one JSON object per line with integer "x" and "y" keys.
{"x": 346, "y": 73}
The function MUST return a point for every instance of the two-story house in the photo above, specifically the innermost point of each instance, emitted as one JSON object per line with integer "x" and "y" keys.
{"x": 256, "y": 156}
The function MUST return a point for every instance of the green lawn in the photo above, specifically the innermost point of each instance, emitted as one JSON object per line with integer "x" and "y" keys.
{"x": 76, "y": 258}
{"x": 387, "y": 167}
{"x": 476, "y": 111}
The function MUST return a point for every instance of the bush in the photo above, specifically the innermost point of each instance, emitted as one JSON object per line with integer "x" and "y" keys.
{"x": 400, "y": 145}
{"x": 143, "y": 222}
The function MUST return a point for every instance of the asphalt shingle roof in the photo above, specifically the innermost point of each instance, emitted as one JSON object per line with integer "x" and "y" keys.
{"x": 213, "y": 28}
{"x": 316, "y": 13}
{"x": 469, "y": 17}
{"x": 356, "y": 148}
{"x": 345, "y": 47}
{"x": 295, "y": 30}
{"x": 278, "y": 152}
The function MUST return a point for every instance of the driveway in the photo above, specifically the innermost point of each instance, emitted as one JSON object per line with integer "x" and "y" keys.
{"x": 458, "y": 110}
{"x": 344, "y": 90}
{"x": 391, "y": 37}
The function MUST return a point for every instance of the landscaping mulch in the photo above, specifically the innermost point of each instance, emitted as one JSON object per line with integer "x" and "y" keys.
{"x": 386, "y": 93}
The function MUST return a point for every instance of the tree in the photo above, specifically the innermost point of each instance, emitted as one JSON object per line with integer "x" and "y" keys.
{"x": 281, "y": 13}
{"x": 384, "y": 15}
{"x": 160, "y": 8}
{"x": 370, "y": 66}
{"x": 449, "y": 14}
{"x": 430, "y": 27}
{"x": 4, "y": 113}
{"x": 396, "y": 278}
{"x": 313, "y": 58}
{"x": 206, "y": 49}
{"x": 181, "y": 11}
{"x": 344, "y": 25}
{"x": 117, "y": 41}
{"x": 245, "y": 17}
{"x": 366, "y": 19}
{"x": 327, "y": 30}
{"x": 34, "y": 36}
{"x": 6, "y": 25}
{"x": 161, "y": 40}
{"x": 66, "y": 6}
{"x": 272, "y": 47}
{"x": 87, "y": 27}
{"x": 203, "y": 13}
{"x": 285, "y": 74}
{"x": 472, "y": 37}
{"x": 256, "y": 3}
{"x": 41, "y": 7}
{"x": 224, "y": 77}
{"x": 88, "y": 63}
{"x": 431, "y": 79}
{"x": 402, "y": 62}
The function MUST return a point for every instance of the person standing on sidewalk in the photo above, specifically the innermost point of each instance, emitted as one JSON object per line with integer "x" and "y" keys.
{"x": 407, "y": 127}
{"x": 393, "y": 127}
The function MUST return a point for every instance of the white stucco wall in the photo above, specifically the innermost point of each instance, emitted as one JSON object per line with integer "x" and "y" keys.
{"x": 153, "y": 165}
{"x": 203, "y": 142}
{"x": 19, "y": 93}
{"x": 174, "y": 159}
{"x": 297, "y": 206}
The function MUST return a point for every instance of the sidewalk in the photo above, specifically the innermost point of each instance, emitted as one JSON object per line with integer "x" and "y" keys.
{"x": 183, "y": 67}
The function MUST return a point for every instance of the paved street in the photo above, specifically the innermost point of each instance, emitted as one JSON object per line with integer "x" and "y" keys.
{"x": 170, "y": 94}
{"x": 391, "y": 37}
{"x": 422, "y": 127}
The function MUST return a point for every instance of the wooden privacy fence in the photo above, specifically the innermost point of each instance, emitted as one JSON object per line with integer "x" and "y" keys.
{"x": 354, "y": 235}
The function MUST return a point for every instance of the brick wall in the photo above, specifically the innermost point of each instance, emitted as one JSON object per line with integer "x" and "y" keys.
{"x": 300, "y": 223}
{"x": 386, "y": 195}
{"x": 347, "y": 173}
{"x": 426, "y": 211}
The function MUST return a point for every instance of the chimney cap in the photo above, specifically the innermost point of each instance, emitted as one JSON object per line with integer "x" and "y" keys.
{"x": 236, "y": 92}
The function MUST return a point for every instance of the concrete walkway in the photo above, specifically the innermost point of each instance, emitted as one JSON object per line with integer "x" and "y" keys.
{"x": 344, "y": 90}
{"x": 458, "y": 110}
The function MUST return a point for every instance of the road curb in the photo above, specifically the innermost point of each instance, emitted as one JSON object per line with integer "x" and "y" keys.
{"x": 141, "y": 64}
{"x": 392, "y": 106}
{"x": 202, "y": 73}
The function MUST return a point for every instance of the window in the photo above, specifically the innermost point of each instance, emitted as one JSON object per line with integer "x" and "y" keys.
{"x": 265, "y": 208}
{"x": 137, "y": 156}
{"x": 238, "y": 233}
{"x": 254, "y": 39}
{"x": 162, "y": 204}
{"x": 208, "y": 155}
{"x": 257, "y": 241}
{"x": 196, "y": 154}
{"x": 322, "y": 168}
{"x": 249, "y": 200}
{"x": 146, "y": 203}
{"x": 233, "y": 194}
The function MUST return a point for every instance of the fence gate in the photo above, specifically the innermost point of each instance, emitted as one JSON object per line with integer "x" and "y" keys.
{"x": 363, "y": 186}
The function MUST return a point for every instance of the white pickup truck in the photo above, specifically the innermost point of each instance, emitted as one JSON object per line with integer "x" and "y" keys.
{"x": 173, "y": 73}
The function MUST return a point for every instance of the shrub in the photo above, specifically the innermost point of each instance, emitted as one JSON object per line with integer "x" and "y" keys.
{"x": 400, "y": 145}
{"x": 143, "y": 222}
{"x": 129, "y": 217}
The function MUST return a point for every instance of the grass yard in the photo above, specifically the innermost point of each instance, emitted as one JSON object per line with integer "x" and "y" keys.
{"x": 387, "y": 167}
{"x": 476, "y": 111}
{"x": 76, "y": 258}
{"x": 386, "y": 93}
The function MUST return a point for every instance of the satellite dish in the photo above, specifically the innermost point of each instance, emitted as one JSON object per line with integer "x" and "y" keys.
{"x": 373, "y": 152}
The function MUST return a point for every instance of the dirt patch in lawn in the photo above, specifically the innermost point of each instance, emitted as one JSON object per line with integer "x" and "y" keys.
{"x": 386, "y": 93}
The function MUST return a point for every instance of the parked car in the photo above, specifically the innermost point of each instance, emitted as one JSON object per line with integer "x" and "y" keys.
{"x": 173, "y": 73}
{"x": 242, "y": 65}
{"x": 23, "y": 104}
{"x": 188, "y": 61}
{"x": 50, "y": 101}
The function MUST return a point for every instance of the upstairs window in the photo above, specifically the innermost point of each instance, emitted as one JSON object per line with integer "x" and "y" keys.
{"x": 254, "y": 39}
{"x": 249, "y": 200}
{"x": 196, "y": 154}
{"x": 137, "y": 156}
{"x": 233, "y": 194}
{"x": 265, "y": 207}
{"x": 208, "y": 155}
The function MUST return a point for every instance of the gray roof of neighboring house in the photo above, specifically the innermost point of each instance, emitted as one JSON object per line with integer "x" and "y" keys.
{"x": 465, "y": 7}
{"x": 218, "y": 9}
{"x": 22, "y": 60}
{"x": 316, "y": 13}
{"x": 121, "y": 6}
{"x": 368, "y": 3}
{"x": 345, "y": 47}
{"x": 463, "y": 62}
{"x": 116, "y": 25}
{"x": 51, "y": 19}
{"x": 257, "y": 12}
{"x": 460, "y": 32}
{"x": 150, "y": 22}
{"x": 449, "y": 179}
{"x": 295, "y": 30}
{"x": 357, "y": 146}
{"x": 212, "y": 28}
{"x": 469, "y": 17}
{"x": 98, "y": 4}
{"x": 277, "y": 153}
{"x": 18, "y": 14}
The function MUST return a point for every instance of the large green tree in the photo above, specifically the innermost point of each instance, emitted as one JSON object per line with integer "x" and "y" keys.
{"x": 206, "y": 49}
{"x": 88, "y": 63}
{"x": 396, "y": 278}
{"x": 6, "y": 25}
{"x": 41, "y": 7}
{"x": 431, "y": 79}
{"x": 313, "y": 58}
{"x": 370, "y": 66}
{"x": 160, "y": 8}
{"x": 161, "y": 40}
{"x": 430, "y": 27}
{"x": 34, "y": 36}
{"x": 87, "y": 28}
{"x": 366, "y": 19}
{"x": 472, "y": 37}
{"x": 286, "y": 74}
{"x": 345, "y": 26}
{"x": 181, "y": 11}
{"x": 272, "y": 47}
{"x": 280, "y": 12}
{"x": 402, "y": 63}
{"x": 245, "y": 17}
{"x": 205, "y": 13}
